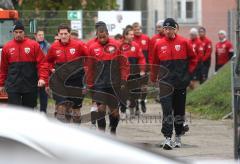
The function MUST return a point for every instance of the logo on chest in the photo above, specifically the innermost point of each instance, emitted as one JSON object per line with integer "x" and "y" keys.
{"x": 27, "y": 50}
{"x": 177, "y": 47}
{"x": 133, "y": 49}
{"x": 11, "y": 51}
{"x": 96, "y": 51}
{"x": 144, "y": 42}
{"x": 58, "y": 52}
{"x": 72, "y": 51}
{"x": 164, "y": 49}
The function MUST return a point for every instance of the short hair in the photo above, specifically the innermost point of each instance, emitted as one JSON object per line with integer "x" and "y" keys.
{"x": 100, "y": 23}
{"x": 64, "y": 26}
{"x": 127, "y": 29}
{"x": 102, "y": 29}
{"x": 39, "y": 29}
{"x": 136, "y": 24}
{"x": 74, "y": 32}
{"x": 118, "y": 36}
{"x": 202, "y": 28}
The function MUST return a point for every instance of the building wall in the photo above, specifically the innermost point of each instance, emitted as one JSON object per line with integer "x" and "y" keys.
{"x": 155, "y": 13}
{"x": 214, "y": 17}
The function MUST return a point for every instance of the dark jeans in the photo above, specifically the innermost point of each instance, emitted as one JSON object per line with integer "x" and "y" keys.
{"x": 23, "y": 99}
{"x": 204, "y": 71}
{"x": 173, "y": 107}
{"x": 43, "y": 98}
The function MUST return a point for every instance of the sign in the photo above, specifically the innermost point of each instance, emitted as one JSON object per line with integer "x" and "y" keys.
{"x": 117, "y": 20}
{"x": 76, "y": 20}
{"x": 74, "y": 15}
{"x": 77, "y": 25}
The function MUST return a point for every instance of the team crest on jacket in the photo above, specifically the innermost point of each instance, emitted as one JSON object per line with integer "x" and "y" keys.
{"x": 72, "y": 51}
{"x": 144, "y": 42}
{"x": 133, "y": 48}
{"x": 111, "y": 49}
{"x": 27, "y": 50}
{"x": 177, "y": 47}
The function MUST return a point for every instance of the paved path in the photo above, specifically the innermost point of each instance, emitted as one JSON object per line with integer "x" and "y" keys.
{"x": 206, "y": 139}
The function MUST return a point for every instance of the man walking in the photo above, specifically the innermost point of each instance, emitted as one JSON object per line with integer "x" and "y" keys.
{"x": 110, "y": 71}
{"x": 63, "y": 51}
{"x": 177, "y": 55}
{"x": 22, "y": 69}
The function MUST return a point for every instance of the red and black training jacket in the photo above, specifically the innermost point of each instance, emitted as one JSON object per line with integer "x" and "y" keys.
{"x": 22, "y": 65}
{"x": 178, "y": 56}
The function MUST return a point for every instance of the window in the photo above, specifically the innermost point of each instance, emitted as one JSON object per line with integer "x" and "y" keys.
{"x": 186, "y": 11}
{"x": 179, "y": 10}
{"x": 189, "y": 10}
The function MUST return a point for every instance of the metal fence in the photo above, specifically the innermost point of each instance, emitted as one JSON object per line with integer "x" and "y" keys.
{"x": 48, "y": 20}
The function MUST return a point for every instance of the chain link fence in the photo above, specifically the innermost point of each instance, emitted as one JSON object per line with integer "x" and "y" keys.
{"x": 48, "y": 20}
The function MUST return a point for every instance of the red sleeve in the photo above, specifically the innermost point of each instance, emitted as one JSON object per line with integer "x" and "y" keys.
{"x": 155, "y": 64}
{"x": 3, "y": 67}
{"x": 124, "y": 67}
{"x": 208, "y": 51}
{"x": 42, "y": 65}
{"x": 89, "y": 66}
{"x": 150, "y": 50}
{"x": 192, "y": 57}
{"x": 141, "y": 59}
{"x": 84, "y": 49}
{"x": 50, "y": 59}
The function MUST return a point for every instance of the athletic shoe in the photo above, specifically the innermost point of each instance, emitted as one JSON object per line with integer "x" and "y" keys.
{"x": 177, "y": 142}
{"x": 167, "y": 144}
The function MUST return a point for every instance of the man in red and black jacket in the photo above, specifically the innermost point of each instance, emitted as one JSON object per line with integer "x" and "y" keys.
{"x": 176, "y": 54}
{"x": 133, "y": 52}
{"x": 110, "y": 71}
{"x": 143, "y": 41}
{"x": 224, "y": 50}
{"x": 89, "y": 43}
{"x": 63, "y": 51}
{"x": 206, "y": 45}
{"x": 23, "y": 69}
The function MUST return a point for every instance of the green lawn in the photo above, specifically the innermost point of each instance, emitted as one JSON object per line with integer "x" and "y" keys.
{"x": 212, "y": 100}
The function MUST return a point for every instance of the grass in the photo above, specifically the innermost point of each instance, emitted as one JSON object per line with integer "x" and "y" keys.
{"x": 212, "y": 100}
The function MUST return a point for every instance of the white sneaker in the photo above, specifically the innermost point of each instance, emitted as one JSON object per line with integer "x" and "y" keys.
{"x": 177, "y": 142}
{"x": 167, "y": 144}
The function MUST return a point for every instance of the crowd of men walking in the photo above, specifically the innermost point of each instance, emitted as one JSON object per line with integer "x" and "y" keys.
{"x": 109, "y": 67}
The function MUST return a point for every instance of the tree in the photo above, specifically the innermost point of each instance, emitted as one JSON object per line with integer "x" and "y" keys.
{"x": 50, "y": 13}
